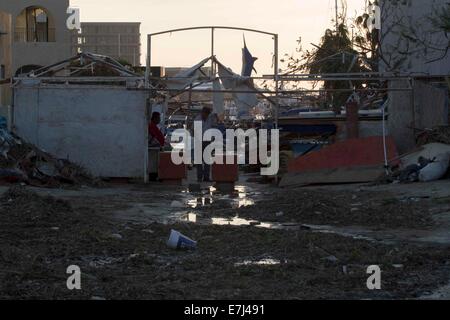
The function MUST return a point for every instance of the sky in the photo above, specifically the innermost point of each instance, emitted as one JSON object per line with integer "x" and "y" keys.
{"x": 290, "y": 19}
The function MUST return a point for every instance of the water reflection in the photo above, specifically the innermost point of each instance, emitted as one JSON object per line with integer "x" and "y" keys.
{"x": 262, "y": 262}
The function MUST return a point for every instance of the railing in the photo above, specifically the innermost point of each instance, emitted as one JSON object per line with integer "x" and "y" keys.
{"x": 34, "y": 35}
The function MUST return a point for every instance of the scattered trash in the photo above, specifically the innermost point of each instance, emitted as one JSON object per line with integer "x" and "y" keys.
{"x": 279, "y": 214}
{"x": 436, "y": 135}
{"x": 345, "y": 269}
{"x": 436, "y": 169}
{"x": 429, "y": 163}
{"x": 332, "y": 259}
{"x": 411, "y": 172}
{"x": 180, "y": 241}
{"x": 116, "y": 236}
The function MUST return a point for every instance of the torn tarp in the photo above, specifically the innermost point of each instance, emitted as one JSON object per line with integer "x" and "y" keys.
{"x": 187, "y": 77}
{"x": 218, "y": 98}
{"x": 232, "y": 81}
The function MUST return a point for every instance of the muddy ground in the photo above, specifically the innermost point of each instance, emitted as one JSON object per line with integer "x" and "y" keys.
{"x": 117, "y": 236}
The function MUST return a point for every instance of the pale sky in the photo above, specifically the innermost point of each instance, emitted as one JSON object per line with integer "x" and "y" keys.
{"x": 291, "y": 19}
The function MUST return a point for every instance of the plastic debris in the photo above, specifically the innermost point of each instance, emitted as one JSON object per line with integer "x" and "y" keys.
{"x": 179, "y": 241}
{"x": 436, "y": 169}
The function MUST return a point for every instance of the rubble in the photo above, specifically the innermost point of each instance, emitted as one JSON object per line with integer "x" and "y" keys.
{"x": 436, "y": 135}
{"x": 428, "y": 163}
{"x": 21, "y": 162}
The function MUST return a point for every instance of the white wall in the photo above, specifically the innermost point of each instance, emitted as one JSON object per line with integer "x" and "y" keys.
{"x": 102, "y": 128}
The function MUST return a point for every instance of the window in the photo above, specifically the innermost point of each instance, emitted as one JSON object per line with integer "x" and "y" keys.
{"x": 34, "y": 25}
{"x": 37, "y": 25}
{"x": 2, "y": 71}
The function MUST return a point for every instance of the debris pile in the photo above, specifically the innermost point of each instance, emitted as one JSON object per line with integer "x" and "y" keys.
{"x": 436, "y": 135}
{"x": 21, "y": 162}
{"x": 430, "y": 162}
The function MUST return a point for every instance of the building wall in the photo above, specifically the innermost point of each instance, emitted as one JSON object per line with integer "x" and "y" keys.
{"x": 39, "y": 53}
{"x": 397, "y": 20}
{"x": 425, "y": 107}
{"x": 5, "y": 61}
{"x": 102, "y": 128}
{"x": 116, "y": 39}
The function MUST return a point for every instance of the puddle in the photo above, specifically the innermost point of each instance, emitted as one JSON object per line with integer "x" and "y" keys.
{"x": 262, "y": 262}
{"x": 163, "y": 213}
{"x": 200, "y": 202}
{"x": 242, "y": 197}
{"x": 240, "y": 222}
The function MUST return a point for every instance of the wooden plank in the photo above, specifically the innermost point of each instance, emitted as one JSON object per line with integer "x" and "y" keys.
{"x": 332, "y": 176}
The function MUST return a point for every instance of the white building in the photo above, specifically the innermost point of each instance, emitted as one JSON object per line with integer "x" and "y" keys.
{"x": 33, "y": 34}
{"x": 39, "y": 33}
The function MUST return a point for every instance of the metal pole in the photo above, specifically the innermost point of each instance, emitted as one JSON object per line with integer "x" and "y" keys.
{"x": 276, "y": 73}
{"x": 212, "y": 54}
{"x": 120, "y": 53}
{"x": 149, "y": 61}
{"x": 277, "y": 91}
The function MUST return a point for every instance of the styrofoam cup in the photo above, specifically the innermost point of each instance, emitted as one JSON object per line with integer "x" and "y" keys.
{"x": 180, "y": 241}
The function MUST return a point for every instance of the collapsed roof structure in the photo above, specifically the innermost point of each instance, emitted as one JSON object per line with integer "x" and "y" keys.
{"x": 241, "y": 89}
{"x": 84, "y": 65}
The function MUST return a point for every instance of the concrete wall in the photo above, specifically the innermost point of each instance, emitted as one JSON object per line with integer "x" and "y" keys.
{"x": 5, "y": 59}
{"x": 102, "y": 128}
{"x": 423, "y": 108}
{"x": 40, "y": 53}
{"x": 413, "y": 18}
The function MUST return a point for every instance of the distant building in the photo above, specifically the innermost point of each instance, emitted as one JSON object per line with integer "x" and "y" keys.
{"x": 119, "y": 40}
{"x": 38, "y": 33}
{"x": 33, "y": 34}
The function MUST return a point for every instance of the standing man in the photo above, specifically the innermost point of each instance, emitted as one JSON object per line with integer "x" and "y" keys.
{"x": 209, "y": 121}
{"x": 156, "y": 142}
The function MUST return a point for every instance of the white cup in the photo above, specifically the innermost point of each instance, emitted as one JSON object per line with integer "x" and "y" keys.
{"x": 180, "y": 241}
